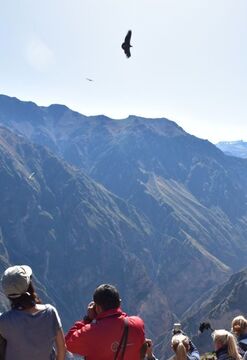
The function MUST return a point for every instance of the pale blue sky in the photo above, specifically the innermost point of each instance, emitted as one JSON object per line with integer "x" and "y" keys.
{"x": 188, "y": 61}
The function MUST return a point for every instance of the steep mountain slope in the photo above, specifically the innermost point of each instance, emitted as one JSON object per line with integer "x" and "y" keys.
{"x": 73, "y": 232}
{"x": 218, "y": 307}
{"x": 193, "y": 197}
{"x": 175, "y": 227}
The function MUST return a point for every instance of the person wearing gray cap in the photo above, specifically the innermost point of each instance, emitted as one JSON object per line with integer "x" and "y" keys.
{"x": 30, "y": 327}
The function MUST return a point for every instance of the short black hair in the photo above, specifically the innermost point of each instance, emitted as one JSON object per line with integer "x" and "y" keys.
{"x": 107, "y": 297}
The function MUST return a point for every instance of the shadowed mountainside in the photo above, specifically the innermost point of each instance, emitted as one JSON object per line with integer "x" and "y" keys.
{"x": 181, "y": 203}
{"x": 218, "y": 306}
{"x": 74, "y": 233}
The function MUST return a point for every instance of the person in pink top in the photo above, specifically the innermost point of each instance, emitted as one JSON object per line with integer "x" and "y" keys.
{"x": 106, "y": 332}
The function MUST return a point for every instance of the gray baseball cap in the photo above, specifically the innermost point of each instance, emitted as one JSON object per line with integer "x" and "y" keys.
{"x": 16, "y": 280}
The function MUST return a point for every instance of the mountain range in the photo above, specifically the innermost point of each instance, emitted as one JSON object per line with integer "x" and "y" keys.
{"x": 137, "y": 202}
{"x": 234, "y": 148}
{"x": 72, "y": 231}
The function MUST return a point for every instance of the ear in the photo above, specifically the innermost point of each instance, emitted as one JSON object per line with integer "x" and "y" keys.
{"x": 98, "y": 309}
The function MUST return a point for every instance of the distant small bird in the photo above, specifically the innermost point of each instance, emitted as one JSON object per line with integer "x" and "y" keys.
{"x": 88, "y": 79}
{"x": 31, "y": 176}
{"x": 126, "y": 44}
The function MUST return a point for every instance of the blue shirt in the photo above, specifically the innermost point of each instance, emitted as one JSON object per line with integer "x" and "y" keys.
{"x": 30, "y": 336}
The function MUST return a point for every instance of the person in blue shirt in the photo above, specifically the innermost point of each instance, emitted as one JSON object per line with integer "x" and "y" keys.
{"x": 30, "y": 328}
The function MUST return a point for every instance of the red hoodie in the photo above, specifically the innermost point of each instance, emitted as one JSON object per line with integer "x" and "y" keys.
{"x": 99, "y": 340}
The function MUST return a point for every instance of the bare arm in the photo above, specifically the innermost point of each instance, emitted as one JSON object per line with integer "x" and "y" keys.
{"x": 149, "y": 351}
{"x": 60, "y": 345}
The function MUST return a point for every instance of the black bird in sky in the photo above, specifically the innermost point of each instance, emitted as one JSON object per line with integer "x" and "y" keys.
{"x": 126, "y": 44}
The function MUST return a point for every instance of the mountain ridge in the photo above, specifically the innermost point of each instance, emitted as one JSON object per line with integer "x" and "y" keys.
{"x": 38, "y": 227}
{"x": 236, "y": 148}
{"x": 173, "y": 204}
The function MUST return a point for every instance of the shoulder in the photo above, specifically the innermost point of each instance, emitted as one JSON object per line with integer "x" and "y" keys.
{"x": 54, "y": 315}
{"x": 7, "y": 314}
{"x": 243, "y": 340}
{"x": 48, "y": 307}
{"x": 224, "y": 356}
{"x": 8, "y": 318}
{"x": 135, "y": 320}
{"x": 194, "y": 355}
{"x": 136, "y": 323}
{"x": 49, "y": 310}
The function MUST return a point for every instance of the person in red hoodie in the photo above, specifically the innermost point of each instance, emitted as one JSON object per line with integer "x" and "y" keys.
{"x": 106, "y": 332}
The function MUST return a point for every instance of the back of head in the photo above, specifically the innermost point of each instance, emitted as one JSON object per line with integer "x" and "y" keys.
{"x": 16, "y": 280}
{"x": 239, "y": 325}
{"x": 225, "y": 338}
{"x": 107, "y": 297}
{"x": 17, "y": 286}
{"x": 180, "y": 345}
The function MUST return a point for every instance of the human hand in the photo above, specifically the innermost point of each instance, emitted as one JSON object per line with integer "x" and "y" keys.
{"x": 149, "y": 351}
{"x": 91, "y": 311}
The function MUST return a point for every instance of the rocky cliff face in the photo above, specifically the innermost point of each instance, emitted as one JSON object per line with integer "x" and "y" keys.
{"x": 73, "y": 233}
{"x": 164, "y": 209}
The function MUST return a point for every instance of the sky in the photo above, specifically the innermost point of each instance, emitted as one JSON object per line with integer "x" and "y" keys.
{"x": 188, "y": 63}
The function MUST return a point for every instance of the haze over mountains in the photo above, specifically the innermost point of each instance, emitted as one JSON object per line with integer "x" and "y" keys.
{"x": 137, "y": 202}
{"x": 234, "y": 148}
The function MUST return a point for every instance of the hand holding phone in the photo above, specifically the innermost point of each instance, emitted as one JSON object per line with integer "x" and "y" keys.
{"x": 149, "y": 351}
{"x": 91, "y": 310}
{"x": 177, "y": 328}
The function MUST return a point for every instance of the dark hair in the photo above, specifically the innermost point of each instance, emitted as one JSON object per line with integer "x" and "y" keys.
{"x": 27, "y": 300}
{"x": 107, "y": 297}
